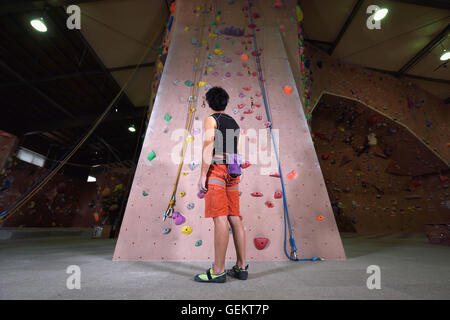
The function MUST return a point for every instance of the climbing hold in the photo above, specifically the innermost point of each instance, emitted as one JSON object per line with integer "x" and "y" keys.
{"x": 178, "y": 218}
{"x": 202, "y": 83}
{"x": 200, "y": 195}
{"x": 166, "y": 230}
{"x": 258, "y": 117}
{"x": 278, "y": 194}
{"x": 151, "y": 155}
{"x": 189, "y": 83}
{"x": 256, "y": 194}
{"x": 249, "y": 111}
{"x": 325, "y": 156}
{"x": 287, "y": 89}
{"x": 218, "y": 52}
{"x": 241, "y": 95}
{"x": 292, "y": 175}
{"x": 244, "y": 57}
{"x": 193, "y": 165}
{"x": 227, "y": 60}
{"x": 198, "y": 243}
{"x": 269, "y": 204}
{"x": 189, "y": 139}
{"x": 184, "y": 174}
{"x": 275, "y": 175}
{"x": 241, "y": 105}
{"x": 235, "y": 111}
{"x": 96, "y": 217}
{"x": 167, "y": 117}
{"x": 106, "y": 192}
{"x": 267, "y": 124}
{"x": 319, "y": 218}
{"x": 186, "y": 28}
{"x": 245, "y": 165}
{"x": 190, "y": 205}
{"x": 186, "y": 230}
{"x": 260, "y": 243}
{"x": 144, "y": 193}
{"x": 228, "y": 74}
{"x": 176, "y": 82}
{"x": 182, "y": 194}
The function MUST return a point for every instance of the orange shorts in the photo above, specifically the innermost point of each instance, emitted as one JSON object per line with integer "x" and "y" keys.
{"x": 222, "y": 197}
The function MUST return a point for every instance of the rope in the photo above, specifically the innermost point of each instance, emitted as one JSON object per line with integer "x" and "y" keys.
{"x": 191, "y": 112}
{"x": 287, "y": 222}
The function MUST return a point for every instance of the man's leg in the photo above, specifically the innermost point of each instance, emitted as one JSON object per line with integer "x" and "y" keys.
{"x": 221, "y": 236}
{"x": 239, "y": 239}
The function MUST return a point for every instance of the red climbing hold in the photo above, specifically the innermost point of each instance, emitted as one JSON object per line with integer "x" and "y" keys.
{"x": 256, "y": 194}
{"x": 260, "y": 243}
{"x": 241, "y": 105}
{"x": 252, "y": 26}
{"x": 278, "y": 194}
{"x": 249, "y": 111}
{"x": 247, "y": 88}
{"x": 325, "y": 156}
{"x": 258, "y": 117}
{"x": 275, "y": 175}
{"x": 256, "y": 15}
{"x": 269, "y": 204}
{"x": 245, "y": 165}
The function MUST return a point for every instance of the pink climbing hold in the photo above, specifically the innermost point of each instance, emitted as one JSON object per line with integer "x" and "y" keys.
{"x": 269, "y": 204}
{"x": 258, "y": 117}
{"x": 256, "y": 194}
{"x": 267, "y": 124}
{"x": 241, "y": 118}
{"x": 258, "y": 94}
{"x": 260, "y": 243}
{"x": 249, "y": 111}
{"x": 278, "y": 194}
{"x": 200, "y": 195}
{"x": 241, "y": 105}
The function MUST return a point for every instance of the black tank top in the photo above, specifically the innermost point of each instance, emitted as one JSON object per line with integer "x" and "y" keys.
{"x": 226, "y": 134}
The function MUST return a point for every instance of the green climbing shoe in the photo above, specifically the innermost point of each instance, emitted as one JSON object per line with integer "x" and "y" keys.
{"x": 238, "y": 273}
{"x": 208, "y": 276}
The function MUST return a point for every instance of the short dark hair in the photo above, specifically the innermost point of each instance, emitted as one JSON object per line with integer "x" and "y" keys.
{"x": 217, "y": 98}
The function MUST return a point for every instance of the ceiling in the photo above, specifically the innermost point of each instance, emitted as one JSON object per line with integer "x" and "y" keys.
{"x": 409, "y": 43}
{"x": 54, "y": 85}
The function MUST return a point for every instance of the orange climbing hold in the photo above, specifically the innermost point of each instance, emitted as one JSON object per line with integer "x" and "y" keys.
{"x": 319, "y": 218}
{"x": 292, "y": 175}
{"x": 287, "y": 89}
{"x": 244, "y": 57}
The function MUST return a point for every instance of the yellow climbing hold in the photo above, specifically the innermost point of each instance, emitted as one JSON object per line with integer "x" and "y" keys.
{"x": 186, "y": 28}
{"x": 186, "y": 230}
{"x": 182, "y": 194}
{"x": 160, "y": 66}
{"x": 204, "y": 41}
{"x": 198, "y": 8}
{"x": 185, "y": 173}
{"x": 299, "y": 13}
{"x": 196, "y": 60}
{"x": 218, "y": 52}
{"x": 202, "y": 83}
{"x": 210, "y": 69}
{"x": 189, "y": 138}
{"x": 218, "y": 18}
{"x": 212, "y": 35}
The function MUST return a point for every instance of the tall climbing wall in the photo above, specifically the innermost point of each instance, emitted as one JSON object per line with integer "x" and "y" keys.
{"x": 213, "y": 45}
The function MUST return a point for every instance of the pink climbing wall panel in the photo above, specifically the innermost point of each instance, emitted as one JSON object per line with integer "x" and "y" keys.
{"x": 141, "y": 236}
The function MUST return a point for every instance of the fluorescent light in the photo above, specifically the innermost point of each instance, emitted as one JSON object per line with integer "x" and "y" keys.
{"x": 380, "y": 14}
{"x": 91, "y": 179}
{"x": 39, "y": 25}
{"x": 445, "y": 56}
{"x": 132, "y": 129}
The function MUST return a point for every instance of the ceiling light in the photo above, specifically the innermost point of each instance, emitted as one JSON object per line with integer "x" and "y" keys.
{"x": 380, "y": 14}
{"x": 39, "y": 25}
{"x": 91, "y": 179}
{"x": 132, "y": 129}
{"x": 445, "y": 56}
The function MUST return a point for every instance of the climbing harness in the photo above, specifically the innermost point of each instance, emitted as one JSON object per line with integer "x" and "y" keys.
{"x": 293, "y": 254}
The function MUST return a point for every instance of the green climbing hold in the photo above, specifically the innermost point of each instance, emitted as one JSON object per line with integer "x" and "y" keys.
{"x": 151, "y": 155}
{"x": 214, "y": 23}
{"x": 217, "y": 46}
{"x": 144, "y": 193}
{"x": 167, "y": 117}
{"x": 160, "y": 50}
{"x": 189, "y": 83}
{"x": 198, "y": 243}
{"x": 232, "y": 42}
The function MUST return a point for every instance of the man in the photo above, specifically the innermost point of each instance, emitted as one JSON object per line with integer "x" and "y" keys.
{"x": 219, "y": 180}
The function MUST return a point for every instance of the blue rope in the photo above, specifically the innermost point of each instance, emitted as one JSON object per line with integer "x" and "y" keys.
{"x": 287, "y": 221}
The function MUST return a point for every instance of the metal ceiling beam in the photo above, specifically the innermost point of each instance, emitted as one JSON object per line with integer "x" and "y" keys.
{"x": 425, "y": 50}
{"x": 75, "y": 75}
{"x": 17, "y": 6}
{"x": 345, "y": 26}
{"x": 438, "y": 4}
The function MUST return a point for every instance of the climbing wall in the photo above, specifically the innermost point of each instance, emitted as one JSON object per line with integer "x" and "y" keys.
{"x": 206, "y": 50}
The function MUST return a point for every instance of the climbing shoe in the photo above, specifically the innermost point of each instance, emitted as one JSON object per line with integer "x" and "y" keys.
{"x": 208, "y": 276}
{"x": 238, "y": 273}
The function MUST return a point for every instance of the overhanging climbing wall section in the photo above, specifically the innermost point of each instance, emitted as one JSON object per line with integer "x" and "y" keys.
{"x": 203, "y": 38}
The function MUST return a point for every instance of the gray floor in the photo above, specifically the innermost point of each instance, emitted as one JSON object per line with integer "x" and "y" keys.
{"x": 410, "y": 269}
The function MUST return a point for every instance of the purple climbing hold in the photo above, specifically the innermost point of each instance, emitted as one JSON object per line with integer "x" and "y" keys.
{"x": 227, "y": 60}
{"x": 241, "y": 95}
{"x": 178, "y": 218}
{"x": 200, "y": 195}
{"x": 228, "y": 74}
{"x": 215, "y": 73}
